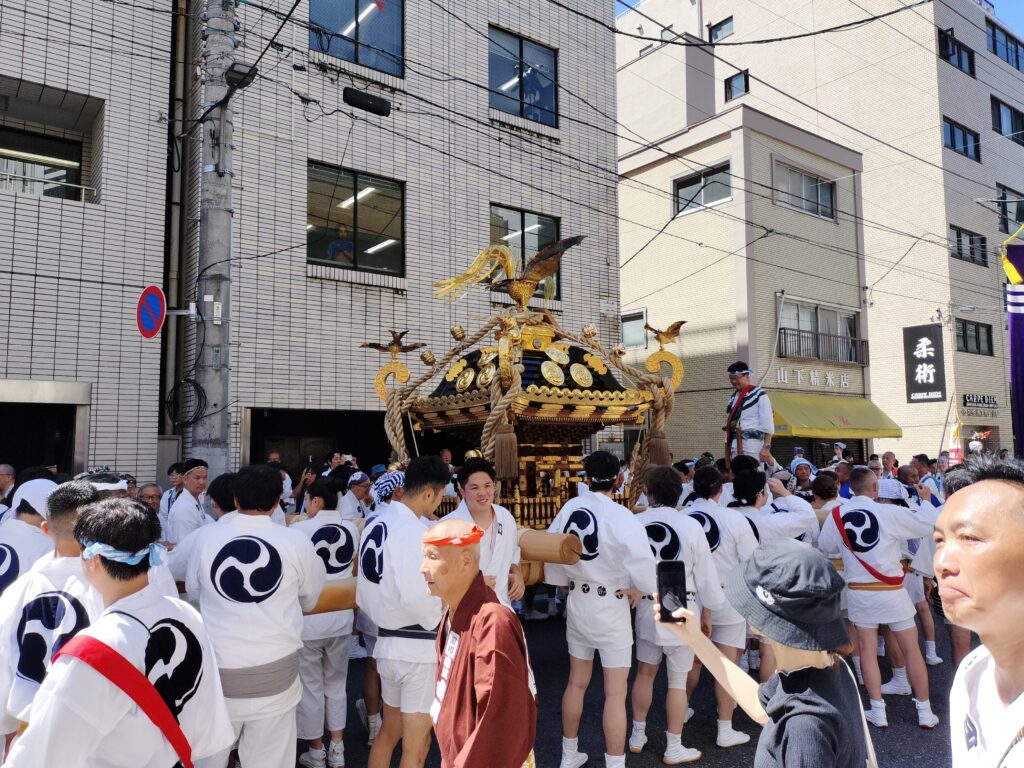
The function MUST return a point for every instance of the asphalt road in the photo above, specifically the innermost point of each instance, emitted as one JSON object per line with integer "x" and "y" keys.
{"x": 902, "y": 745}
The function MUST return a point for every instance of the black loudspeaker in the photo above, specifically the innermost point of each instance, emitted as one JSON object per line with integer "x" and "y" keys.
{"x": 366, "y": 101}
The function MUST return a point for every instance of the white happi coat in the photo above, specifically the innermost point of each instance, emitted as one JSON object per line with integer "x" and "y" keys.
{"x": 878, "y": 533}
{"x": 391, "y": 590}
{"x": 351, "y": 508}
{"x": 21, "y": 544}
{"x": 983, "y": 729}
{"x": 253, "y": 579}
{"x": 177, "y": 558}
{"x": 82, "y": 719}
{"x": 616, "y": 556}
{"x": 39, "y": 613}
{"x": 674, "y": 535}
{"x": 499, "y": 548}
{"x": 335, "y": 542}
{"x": 185, "y": 516}
{"x": 788, "y": 517}
{"x": 731, "y": 541}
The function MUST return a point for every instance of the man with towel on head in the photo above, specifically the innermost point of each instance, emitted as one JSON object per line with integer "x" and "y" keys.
{"x": 186, "y": 514}
{"x": 749, "y": 424}
{"x": 485, "y": 699}
{"x": 22, "y": 540}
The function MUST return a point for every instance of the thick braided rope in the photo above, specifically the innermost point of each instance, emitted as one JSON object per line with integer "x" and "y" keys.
{"x": 499, "y": 410}
{"x": 393, "y": 427}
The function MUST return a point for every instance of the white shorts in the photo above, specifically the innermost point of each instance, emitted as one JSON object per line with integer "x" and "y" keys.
{"x": 733, "y": 635}
{"x": 679, "y": 659}
{"x": 611, "y": 658}
{"x": 891, "y": 607}
{"x": 914, "y": 584}
{"x": 407, "y": 685}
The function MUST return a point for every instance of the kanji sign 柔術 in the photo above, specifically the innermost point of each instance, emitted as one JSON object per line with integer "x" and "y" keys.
{"x": 925, "y": 364}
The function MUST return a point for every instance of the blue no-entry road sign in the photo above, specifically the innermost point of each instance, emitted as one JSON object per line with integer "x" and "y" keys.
{"x": 151, "y": 312}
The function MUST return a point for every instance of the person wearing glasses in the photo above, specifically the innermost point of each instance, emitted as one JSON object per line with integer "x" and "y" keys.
{"x": 357, "y": 502}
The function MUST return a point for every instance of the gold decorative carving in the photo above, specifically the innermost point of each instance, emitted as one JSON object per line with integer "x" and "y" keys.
{"x": 552, "y": 373}
{"x": 661, "y": 357}
{"x": 581, "y": 375}
{"x": 394, "y": 367}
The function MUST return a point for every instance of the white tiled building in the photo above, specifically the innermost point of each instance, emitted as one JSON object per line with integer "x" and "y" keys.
{"x": 502, "y": 129}
{"x": 894, "y": 91}
{"x": 83, "y": 156}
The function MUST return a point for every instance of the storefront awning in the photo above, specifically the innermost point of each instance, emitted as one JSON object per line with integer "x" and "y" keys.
{"x": 829, "y": 416}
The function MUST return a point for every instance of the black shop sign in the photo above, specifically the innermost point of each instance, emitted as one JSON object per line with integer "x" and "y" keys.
{"x": 924, "y": 364}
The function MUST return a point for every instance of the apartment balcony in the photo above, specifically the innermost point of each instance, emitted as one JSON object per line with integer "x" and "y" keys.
{"x": 829, "y": 347}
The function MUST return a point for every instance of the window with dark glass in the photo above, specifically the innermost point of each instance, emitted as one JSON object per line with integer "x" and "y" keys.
{"x": 35, "y": 164}
{"x": 366, "y": 32}
{"x": 961, "y": 140}
{"x": 1004, "y": 45}
{"x": 524, "y": 233}
{"x": 975, "y": 338}
{"x": 955, "y": 52}
{"x": 821, "y": 333}
{"x": 1011, "y": 209}
{"x": 702, "y": 189}
{"x": 737, "y": 85}
{"x": 522, "y": 77}
{"x": 633, "y": 333}
{"x": 805, "y": 192}
{"x": 354, "y": 220}
{"x": 968, "y": 246}
{"x": 1007, "y": 121}
{"x": 720, "y": 31}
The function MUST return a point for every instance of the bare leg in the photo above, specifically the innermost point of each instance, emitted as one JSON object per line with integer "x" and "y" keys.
{"x": 616, "y": 681}
{"x": 868, "y": 641}
{"x": 416, "y": 729}
{"x": 916, "y": 670}
{"x": 924, "y": 611}
{"x": 386, "y": 741}
{"x": 693, "y": 678}
{"x": 725, "y": 703}
{"x": 675, "y": 709}
{"x": 371, "y": 687}
{"x": 643, "y": 690}
{"x": 580, "y": 671}
{"x": 893, "y": 652}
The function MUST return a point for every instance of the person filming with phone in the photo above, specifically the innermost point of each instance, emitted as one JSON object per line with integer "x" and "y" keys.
{"x": 790, "y": 593}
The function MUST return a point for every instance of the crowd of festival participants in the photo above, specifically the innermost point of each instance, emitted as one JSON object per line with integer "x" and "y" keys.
{"x": 798, "y": 577}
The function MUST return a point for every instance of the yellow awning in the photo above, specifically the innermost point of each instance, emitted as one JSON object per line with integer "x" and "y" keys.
{"x": 829, "y": 416}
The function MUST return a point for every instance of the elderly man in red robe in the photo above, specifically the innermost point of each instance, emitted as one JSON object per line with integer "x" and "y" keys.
{"x": 485, "y": 703}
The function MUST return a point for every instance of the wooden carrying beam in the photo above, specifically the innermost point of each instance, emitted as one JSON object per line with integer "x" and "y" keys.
{"x": 544, "y": 547}
{"x": 338, "y": 595}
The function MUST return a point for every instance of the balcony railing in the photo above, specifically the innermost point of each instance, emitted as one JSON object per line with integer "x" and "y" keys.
{"x": 822, "y": 346}
{"x": 43, "y": 187}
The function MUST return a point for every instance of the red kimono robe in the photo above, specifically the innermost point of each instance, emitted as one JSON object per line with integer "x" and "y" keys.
{"x": 485, "y": 702}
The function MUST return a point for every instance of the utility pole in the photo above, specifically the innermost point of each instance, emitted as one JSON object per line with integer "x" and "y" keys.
{"x": 212, "y": 374}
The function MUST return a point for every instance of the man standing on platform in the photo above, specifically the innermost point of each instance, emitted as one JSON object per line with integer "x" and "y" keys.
{"x": 750, "y": 423}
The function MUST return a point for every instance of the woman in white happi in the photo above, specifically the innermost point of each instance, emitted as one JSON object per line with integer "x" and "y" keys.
{"x": 673, "y": 535}
{"x": 731, "y": 541}
{"x": 85, "y": 713}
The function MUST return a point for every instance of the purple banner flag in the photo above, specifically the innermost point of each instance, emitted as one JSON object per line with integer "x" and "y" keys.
{"x": 1013, "y": 264}
{"x": 1015, "y": 318}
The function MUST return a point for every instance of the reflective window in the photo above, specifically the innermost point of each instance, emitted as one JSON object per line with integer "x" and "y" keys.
{"x": 633, "y": 333}
{"x": 975, "y": 338}
{"x": 524, "y": 233}
{"x": 956, "y": 53}
{"x": 1007, "y": 121}
{"x": 806, "y": 192}
{"x": 40, "y": 165}
{"x": 968, "y": 246}
{"x": 1005, "y": 46}
{"x": 354, "y": 220}
{"x": 366, "y": 32}
{"x": 961, "y": 140}
{"x": 737, "y": 85}
{"x": 721, "y": 30}
{"x": 703, "y": 189}
{"x": 522, "y": 77}
{"x": 1011, "y": 209}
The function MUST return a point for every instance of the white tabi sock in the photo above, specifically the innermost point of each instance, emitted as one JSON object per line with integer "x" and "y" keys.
{"x": 673, "y": 740}
{"x": 614, "y": 761}
{"x": 924, "y": 706}
{"x": 724, "y": 725}
{"x": 570, "y": 746}
{"x": 878, "y": 705}
{"x": 929, "y": 647}
{"x": 639, "y": 726}
{"x": 899, "y": 674}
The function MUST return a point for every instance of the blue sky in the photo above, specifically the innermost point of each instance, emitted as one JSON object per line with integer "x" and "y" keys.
{"x": 1010, "y": 11}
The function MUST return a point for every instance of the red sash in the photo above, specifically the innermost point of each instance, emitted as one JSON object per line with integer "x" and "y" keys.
{"x": 119, "y": 671}
{"x": 893, "y": 581}
{"x": 735, "y": 410}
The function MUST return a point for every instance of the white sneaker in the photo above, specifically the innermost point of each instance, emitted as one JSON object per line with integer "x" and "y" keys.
{"x": 536, "y": 615}
{"x": 876, "y": 717}
{"x": 575, "y": 761}
{"x": 754, "y": 660}
{"x": 355, "y": 649}
{"x": 313, "y": 758}
{"x": 743, "y": 663}
{"x": 336, "y": 755}
{"x": 932, "y": 660}
{"x": 881, "y": 646}
{"x": 896, "y": 688}
{"x": 637, "y": 740}
{"x": 361, "y": 711}
{"x": 679, "y": 755}
{"x": 374, "y": 729}
{"x": 925, "y": 717}
{"x": 689, "y": 714}
{"x": 731, "y": 737}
